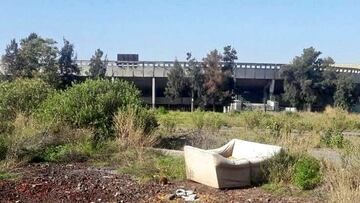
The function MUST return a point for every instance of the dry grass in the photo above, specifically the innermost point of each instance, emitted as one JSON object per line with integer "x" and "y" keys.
{"x": 344, "y": 183}
{"x": 134, "y": 127}
{"x": 298, "y": 133}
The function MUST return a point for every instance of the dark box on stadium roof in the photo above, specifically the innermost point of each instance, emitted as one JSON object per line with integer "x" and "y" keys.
{"x": 128, "y": 57}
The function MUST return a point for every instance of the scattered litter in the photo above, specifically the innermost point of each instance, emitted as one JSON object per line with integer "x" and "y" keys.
{"x": 186, "y": 195}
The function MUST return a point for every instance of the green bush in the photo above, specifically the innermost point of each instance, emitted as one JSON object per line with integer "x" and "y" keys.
{"x": 198, "y": 119}
{"x": 135, "y": 125}
{"x": 279, "y": 169}
{"x": 307, "y": 173}
{"x": 332, "y": 138}
{"x": 90, "y": 104}
{"x": 20, "y": 96}
{"x": 213, "y": 122}
{"x": 161, "y": 110}
{"x": 78, "y": 152}
{"x": 274, "y": 124}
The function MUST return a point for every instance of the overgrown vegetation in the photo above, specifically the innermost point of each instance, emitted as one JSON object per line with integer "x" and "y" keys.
{"x": 90, "y": 104}
{"x": 153, "y": 166}
{"x": 22, "y": 96}
{"x": 307, "y": 172}
{"x": 64, "y": 125}
{"x": 135, "y": 126}
{"x": 298, "y": 133}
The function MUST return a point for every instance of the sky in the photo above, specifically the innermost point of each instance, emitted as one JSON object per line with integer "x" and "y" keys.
{"x": 272, "y": 31}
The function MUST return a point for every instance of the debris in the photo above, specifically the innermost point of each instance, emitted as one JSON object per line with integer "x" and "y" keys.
{"x": 186, "y": 195}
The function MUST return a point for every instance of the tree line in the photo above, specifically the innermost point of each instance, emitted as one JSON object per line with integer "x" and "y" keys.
{"x": 210, "y": 82}
{"x": 309, "y": 81}
{"x": 38, "y": 57}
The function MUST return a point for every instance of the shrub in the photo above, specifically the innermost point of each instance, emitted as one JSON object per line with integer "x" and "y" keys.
{"x": 90, "y": 104}
{"x": 21, "y": 96}
{"x": 198, "y": 119}
{"x": 333, "y": 138}
{"x": 135, "y": 125}
{"x": 161, "y": 110}
{"x": 29, "y": 139}
{"x": 253, "y": 119}
{"x": 274, "y": 124}
{"x": 307, "y": 173}
{"x": 213, "y": 121}
{"x": 279, "y": 169}
{"x": 23, "y": 137}
{"x": 78, "y": 152}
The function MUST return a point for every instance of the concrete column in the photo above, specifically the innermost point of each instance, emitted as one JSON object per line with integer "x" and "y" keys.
{"x": 112, "y": 75}
{"x": 272, "y": 89}
{"x": 153, "y": 92}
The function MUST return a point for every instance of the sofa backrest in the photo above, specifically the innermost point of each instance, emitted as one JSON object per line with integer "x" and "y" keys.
{"x": 248, "y": 150}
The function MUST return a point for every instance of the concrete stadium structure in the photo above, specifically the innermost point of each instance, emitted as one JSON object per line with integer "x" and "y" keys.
{"x": 255, "y": 82}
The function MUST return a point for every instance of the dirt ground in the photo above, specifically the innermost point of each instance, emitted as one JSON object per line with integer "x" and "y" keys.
{"x": 82, "y": 183}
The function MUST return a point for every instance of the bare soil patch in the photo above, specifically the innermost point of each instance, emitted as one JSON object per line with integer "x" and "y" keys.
{"x": 81, "y": 183}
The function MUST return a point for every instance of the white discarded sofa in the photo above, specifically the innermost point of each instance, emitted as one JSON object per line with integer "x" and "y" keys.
{"x": 235, "y": 164}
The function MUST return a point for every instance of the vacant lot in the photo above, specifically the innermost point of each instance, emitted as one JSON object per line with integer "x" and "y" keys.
{"x": 93, "y": 143}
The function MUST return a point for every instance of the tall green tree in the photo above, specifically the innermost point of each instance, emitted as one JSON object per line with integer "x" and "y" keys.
{"x": 11, "y": 60}
{"x": 176, "y": 82}
{"x": 68, "y": 68}
{"x": 344, "y": 96}
{"x": 195, "y": 81}
{"x": 37, "y": 55}
{"x": 214, "y": 77}
{"x": 303, "y": 79}
{"x": 98, "y": 65}
{"x": 229, "y": 56}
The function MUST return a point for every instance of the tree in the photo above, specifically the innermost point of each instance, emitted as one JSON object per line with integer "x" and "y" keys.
{"x": 11, "y": 60}
{"x": 344, "y": 96}
{"x": 37, "y": 56}
{"x": 195, "y": 80}
{"x": 97, "y": 65}
{"x": 214, "y": 77}
{"x": 303, "y": 79}
{"x": 229, "y": 57}
{"x": 176, "y": 82}
{"x": 67, "y": 64}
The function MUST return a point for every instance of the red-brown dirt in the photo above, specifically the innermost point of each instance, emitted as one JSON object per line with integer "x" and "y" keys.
{"x": 81, "y": 183}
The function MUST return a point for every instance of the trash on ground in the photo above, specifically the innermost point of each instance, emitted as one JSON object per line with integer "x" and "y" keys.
{"x": 186, "y": 195}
